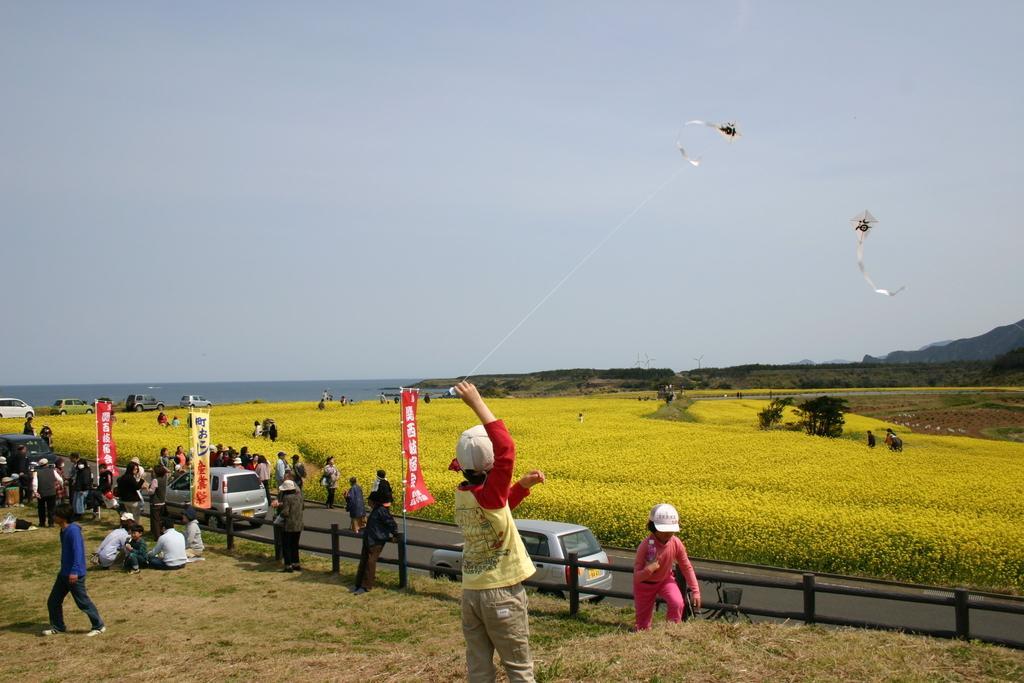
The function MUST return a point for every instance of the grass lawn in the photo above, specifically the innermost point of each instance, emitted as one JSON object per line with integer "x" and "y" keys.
{"x": 235, "y": 618}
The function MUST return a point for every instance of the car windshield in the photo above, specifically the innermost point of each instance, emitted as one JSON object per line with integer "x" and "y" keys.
{"x": 56, "y": 403}
{"x": 582, "y": 543}
{"x": 35, "y": 446}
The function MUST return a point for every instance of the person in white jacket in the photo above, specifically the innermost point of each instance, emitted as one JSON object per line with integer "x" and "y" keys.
{"x": 169, "y": 552}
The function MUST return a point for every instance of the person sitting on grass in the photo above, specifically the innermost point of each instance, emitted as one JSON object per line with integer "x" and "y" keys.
{"x": 71, "y": 577}
{"x": 169, "y": 551}
{"x": 113, "y": 544}
{"x": 495, "y": 561}
{"x": 379, "y": 528}
{"x": 135, "y": 551}
{"x": 193, "y": 535}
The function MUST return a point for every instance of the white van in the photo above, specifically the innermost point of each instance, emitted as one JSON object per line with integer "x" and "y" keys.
{"x": 240, "y": 490}
{"x": 15, "y": 407}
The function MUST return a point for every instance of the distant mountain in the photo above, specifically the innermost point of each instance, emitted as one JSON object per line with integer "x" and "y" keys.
{"x": 837, "y": 361}
{"x": 983, "y": 347}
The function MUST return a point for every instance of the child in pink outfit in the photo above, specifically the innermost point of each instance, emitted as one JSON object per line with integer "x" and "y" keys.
{"x": 652, "y": 569}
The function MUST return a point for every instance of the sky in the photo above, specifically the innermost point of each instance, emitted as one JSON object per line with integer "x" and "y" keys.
{"x": 246, "y": 190}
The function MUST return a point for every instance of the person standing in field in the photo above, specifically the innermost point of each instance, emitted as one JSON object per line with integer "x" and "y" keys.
{"x": 28, "y": 429}
{"x": 289, "y": 508}
{"x": 46, "y": 434}
{"x": 81, "y": 482}
{"x": 380, "y": 527}
{"x": 495, "y": 562}
{"x": 257, "y": 429}
{"x": 71, "y": 578}
{"x": 263, "y": 473}
{"x": 653, "y": 575}
{"x": 280, "y": 469}
{"x": 45, "y": 487}
{"x": 129, "y": 485}
{"x": 330, "y": 481}
{"x": 355, "y": 505}
{"x": 871, "y": 439}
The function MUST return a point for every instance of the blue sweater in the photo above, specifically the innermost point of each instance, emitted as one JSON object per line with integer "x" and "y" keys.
{"x": 72, "y": 551}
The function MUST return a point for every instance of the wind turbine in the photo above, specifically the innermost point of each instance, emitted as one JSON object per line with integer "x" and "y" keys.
{"x": 699, "y": 360}
{"x": 648, "y": 360}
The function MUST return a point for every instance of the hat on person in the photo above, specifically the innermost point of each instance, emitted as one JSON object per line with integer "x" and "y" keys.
{"x": 189, "y": 512}
{"x": 136, "y": 461}
{"x": 286, "y": 485}
{"x": 236, "y": 461}
{"x": 295, "y": 457}
{"x": 474, "y": 451}
{"x": 127, "y": 517}
{"x": 282, "y": 454}
{"x": 664, "y": 518}
{"x": 3, "y": 460}
{"x": 42, "y": 462}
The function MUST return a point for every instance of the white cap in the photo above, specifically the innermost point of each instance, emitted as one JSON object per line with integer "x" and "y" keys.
{"x": 127, "y": 517}
{"x": 664, "y": 517}
{"x": 3, "y": 460}
{"x": 474, "y": 450}
{"x": 286, "y": 485}
{"x": 42, "y": 462}
{"x": 236, "y": 461}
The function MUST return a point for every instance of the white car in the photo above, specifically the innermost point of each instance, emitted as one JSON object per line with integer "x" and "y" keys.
{"x": 194, "y": 401}
{"x": 548, "y": 539}
{"x": 15, "y": 407}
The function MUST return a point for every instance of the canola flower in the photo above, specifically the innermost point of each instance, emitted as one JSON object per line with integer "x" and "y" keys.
{"x": 946, "y": 510}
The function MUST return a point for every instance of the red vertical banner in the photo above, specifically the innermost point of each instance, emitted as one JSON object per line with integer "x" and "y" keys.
{"x": 106, "y": 448}
{"x": 416, "y": 493}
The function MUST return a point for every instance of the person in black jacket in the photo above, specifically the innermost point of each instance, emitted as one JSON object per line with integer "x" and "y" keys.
{"x": 380, "y": 527}
{"x": 81, "y": 482}
{"x": 129, "y": 486}
{"x": 44, "y": 489}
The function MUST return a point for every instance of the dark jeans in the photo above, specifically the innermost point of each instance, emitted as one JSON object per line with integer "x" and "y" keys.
{"x": 158, "y": 563}
{"x": 156, "y": 519}
{"x": 330, "y": 497}
{"x": 291, "y": 547}
{"x": 55, "y": 604}
{"x": 266, "y": 487}
{"x": 46, "y": 506}
{"x": 366, "y": 575}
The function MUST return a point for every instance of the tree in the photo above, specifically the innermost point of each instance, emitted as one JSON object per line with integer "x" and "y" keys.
{"x": 823, "y": 416}
{"x": 772, "y": 415}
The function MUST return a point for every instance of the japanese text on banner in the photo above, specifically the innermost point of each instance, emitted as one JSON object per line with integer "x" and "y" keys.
{"x": 417, "y": 495}
{"x": 106, "y": 447}
{"x": 200, "y": 458}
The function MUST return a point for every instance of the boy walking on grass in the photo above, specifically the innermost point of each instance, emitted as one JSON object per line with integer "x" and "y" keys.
{"x": 71, "y": 577}
{"x": 495, "y": 562}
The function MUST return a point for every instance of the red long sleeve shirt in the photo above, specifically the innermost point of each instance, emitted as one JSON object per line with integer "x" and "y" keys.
{"x": 497, "y": 489}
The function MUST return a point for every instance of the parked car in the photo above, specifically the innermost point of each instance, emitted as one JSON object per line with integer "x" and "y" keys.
{"x": 194, "y": 401}
{"x": 240, "y": 490}
{"x": 15, "y": 407}
{"x": 549, "y": 539}
{"x": 37, "y": 448}
{"x": 66, "y": 406}
{"x": 140, "y": 402}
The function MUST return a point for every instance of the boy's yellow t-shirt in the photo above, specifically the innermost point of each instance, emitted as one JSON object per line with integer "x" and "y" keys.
{"x": 494, "y": 555}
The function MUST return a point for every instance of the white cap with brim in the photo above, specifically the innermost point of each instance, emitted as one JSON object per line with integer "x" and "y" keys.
{"x": 287, "y": 485}
{"x": 127, "y": 517}
{"x": 665, "y": 518}
{"x": 474, "y": 450}
{"x": 43, "y": 462}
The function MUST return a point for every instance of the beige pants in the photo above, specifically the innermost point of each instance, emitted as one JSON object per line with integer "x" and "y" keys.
{"x": 497, "y": 619}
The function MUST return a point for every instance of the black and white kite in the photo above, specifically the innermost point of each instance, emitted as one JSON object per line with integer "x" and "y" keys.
{"x": 862, "y": 224}
{"x": 727, "y": 130}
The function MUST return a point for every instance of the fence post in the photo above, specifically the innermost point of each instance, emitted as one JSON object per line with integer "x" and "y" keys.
{"x": 278, "y": 543}
{"x": 809, "y": 598}
{"x": 963, "y": 613}
{"x": 574, "y": 585}
{"x": 335, "y": 558}
{"x": 229, "y": 527}
{"x": 403, "y": 564}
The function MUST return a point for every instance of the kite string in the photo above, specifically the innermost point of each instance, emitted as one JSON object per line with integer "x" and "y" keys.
{"x": 575, "y": 268}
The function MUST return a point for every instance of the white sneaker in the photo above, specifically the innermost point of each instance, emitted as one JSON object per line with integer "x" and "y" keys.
{"x": 96, "y": 631}
{"x": 52, "y": 632}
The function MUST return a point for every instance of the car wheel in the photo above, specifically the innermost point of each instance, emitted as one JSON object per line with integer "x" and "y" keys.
{"x": 88, "y": 411}
{"x": 159, "y": 406}
{"x": 596, "y": 599}
{"x": 442, "y": 575}
{"x": 63, "y": 412}
{"x": 28, "y": 414}
{"x": 138, "y": 408}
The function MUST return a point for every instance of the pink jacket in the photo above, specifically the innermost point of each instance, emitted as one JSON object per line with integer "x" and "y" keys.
{"x": 673, "y": 552}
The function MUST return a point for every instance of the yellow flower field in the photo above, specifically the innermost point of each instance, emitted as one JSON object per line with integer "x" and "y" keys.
{"x": 947, "y": 510}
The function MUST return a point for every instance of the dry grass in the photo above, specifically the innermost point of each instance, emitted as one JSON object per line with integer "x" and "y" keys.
{"x": 234, "y": 618}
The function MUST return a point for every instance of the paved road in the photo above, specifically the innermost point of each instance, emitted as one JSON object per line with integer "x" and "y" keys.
{"x": 909, "y": 615}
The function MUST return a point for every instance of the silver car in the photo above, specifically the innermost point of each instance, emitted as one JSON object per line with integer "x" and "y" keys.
{"x": 549, "y": 539}
{"x": 240, "y": 490}
{"x": 194, "y": 401}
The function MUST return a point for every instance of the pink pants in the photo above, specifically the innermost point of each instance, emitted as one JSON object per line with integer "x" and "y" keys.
{"x": 644, "y": 595}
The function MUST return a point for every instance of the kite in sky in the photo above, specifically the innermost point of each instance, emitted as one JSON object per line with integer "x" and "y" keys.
{"x": 862, "y": 224}
{"x": 727, "y": 130}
